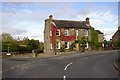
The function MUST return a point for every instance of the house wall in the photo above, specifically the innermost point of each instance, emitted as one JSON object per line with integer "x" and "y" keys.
{"x": 47, "y": 37}
{"x": 71, "y": 38}
{"x": 100, "y": 38}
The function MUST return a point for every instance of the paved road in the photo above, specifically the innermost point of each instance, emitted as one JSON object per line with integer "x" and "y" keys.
{"x": 89, "y": 65}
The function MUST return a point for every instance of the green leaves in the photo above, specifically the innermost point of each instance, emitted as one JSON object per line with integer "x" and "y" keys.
{"x": 21, "y": 45}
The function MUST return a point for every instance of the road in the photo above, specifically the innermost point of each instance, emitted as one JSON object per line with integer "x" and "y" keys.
{"x": 89, "y": 65}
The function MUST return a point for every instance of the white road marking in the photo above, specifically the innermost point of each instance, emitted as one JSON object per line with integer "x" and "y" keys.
{"x": 67, "y": 66}
{"x": 64, "y": 77}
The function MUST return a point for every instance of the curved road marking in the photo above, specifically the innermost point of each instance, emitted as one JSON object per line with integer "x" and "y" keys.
{"x": 67, "y": 66}
{"x": 64, "y": 77}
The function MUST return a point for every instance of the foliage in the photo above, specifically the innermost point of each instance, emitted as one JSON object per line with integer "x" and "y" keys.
{"x": 82, "y": 43}
{"x": 116, "y": 44}
{"x": 21, "y": 46}
{"x": 6, "y": 37}
{"x": 41, "y": 46}
{"x": 79, "y": 42}
{"x": 62, "y": 49}
{"x": 72, "y": 46}
{"x": 94, "y": 39}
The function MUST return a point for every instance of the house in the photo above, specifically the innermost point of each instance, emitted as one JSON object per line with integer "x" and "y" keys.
{"x": 100, "y": 36}
{"x": 116, "y": 36}
{"x": 59, "y": 33}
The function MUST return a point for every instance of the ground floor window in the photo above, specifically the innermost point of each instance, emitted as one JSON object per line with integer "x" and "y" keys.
{"x": 57, "y": 45}
{"x": 66, "y": 45}
{"x": 87, "y": 46}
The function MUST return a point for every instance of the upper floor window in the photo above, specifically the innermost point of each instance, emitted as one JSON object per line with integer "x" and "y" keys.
{"x": 76, "y": 32}
{"x": 66, "y": 33}
{"x": 86, "y": 32}
{"x": 58, "y": 32}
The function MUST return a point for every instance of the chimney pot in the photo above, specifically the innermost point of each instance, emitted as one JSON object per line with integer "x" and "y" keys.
{"x": 87, "y": 21}
{"x": 50, "y": 18}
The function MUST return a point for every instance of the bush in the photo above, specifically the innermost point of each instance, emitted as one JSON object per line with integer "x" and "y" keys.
{"x": 62, "y": 49}
{"x": 72, "y": 46}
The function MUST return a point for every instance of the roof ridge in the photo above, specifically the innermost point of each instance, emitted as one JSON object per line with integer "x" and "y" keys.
{"x": 67, "y": 20}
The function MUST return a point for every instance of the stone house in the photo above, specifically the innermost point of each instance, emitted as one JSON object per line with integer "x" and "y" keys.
{"x": 100, "y": 36}
{"x": 116, "y": 36}
{"x": 59, "y": 33}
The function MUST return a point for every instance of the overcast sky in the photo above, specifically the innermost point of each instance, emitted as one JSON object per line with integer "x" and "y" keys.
{"x": 26, "y": 19}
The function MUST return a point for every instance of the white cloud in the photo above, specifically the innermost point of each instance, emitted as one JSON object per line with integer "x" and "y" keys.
{"x": 26, "y": 22}
{"x": 104, "y": 21}
{"x": 12, "y": 29}
{"x": 33, "y": 32}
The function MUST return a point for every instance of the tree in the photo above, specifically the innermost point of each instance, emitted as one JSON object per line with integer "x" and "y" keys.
{"x": 32, "y": 44}
{"x": 8, "y": 41}
{"x": 6, "y": 37}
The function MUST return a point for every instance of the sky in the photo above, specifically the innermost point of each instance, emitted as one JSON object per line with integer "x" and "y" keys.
{"x": 27, "y": 19}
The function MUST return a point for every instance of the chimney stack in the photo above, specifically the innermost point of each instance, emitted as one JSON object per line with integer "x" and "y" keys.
{"x": 50, "y": 18}
{"x": 119, "y": 28}
{"x": 87, "y": 21}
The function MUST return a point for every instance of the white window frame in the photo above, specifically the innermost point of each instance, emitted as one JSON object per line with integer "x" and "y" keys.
{"x": 77, "y": 33}
{"x": 67, "y": 45}
{"x": 51, "y": 46}
{"x": 66, "y": 32}
{"x": 58, "y": 32}
{"x": 87, "y": 46}
{"x": 58, "y": 44}
{"x": 50, "y": 33}
{"x": 86, "y": 32}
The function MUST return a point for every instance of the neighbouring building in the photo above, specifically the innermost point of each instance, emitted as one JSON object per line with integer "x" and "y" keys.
{"x": 116, "y": 36}
{"x": 59, "y": 33}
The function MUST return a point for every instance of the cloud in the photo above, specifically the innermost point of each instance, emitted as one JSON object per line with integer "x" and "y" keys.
{"x": 27, "y": 19}
{"x": 62, "y": 11}
{"x": 21, "y": 16}
{"x": 103, "y": 20}
{"x": 12, "y": 29}
{"x": 34, "y": 32}
{"x": 84, "y": 11}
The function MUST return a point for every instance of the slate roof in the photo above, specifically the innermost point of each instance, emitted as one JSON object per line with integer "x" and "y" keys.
{"x": 71, "y": 24}
{"x": 98, "y": 31}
